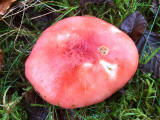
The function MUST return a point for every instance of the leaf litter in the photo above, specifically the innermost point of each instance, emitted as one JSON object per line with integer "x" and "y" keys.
{"x": 84, "y": 3}
{"x": 37, "y": 112}
{"x": 1, "y": 58}
{"x": 151, "y": 56}
{"x": 155, "y": 5}
{"x": 37, "y": 108}
{"x": 5, "y": 5}
{"x": 135, "y": 26}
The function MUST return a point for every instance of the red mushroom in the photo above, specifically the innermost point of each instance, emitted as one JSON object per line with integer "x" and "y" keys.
{"x": 81, "y": 61}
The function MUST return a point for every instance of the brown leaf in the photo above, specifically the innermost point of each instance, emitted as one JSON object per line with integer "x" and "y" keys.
{"x": 1, "y": 58}
{"x": 62, "y": 114}
{"x": 4, "y": 5}
{"x": 35, "y": 112}
{"x": 83, "y": 3}
{"x": 155, "y": 5}
{"x": 134, "y": 25}
{"x": 150, "y": 64}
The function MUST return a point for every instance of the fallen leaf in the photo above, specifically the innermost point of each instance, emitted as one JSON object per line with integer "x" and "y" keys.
{"x": 155, "y": 5}
{"x": 151, "y": 63}
{"x": 62, "y": 114}
{"x": 134, "y": 25}
{"x": 1, "y": 58}
{"x": 83, "y": 3}
{"x": 4, "y": 5}
{"x": 35, "y": 112}
{"x": 40, "y": 19}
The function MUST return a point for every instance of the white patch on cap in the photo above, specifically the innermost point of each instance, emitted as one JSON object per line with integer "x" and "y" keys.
{"x": 68, "y": 35}
{"x": 62, "y": 37}
{"x": 111, "y": 69}
{"x": 87, "y": 64}
{"x": 115, "y": 30}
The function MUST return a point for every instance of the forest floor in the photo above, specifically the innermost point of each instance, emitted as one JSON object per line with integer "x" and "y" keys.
{"x": 22, "y": 25}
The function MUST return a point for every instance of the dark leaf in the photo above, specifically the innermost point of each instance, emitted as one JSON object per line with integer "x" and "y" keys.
{"x": 1, "y": 58}
{"x": 62, "y": 114}
{"x": 155, "y": 5}
{"x": 122, "y": 91}
{"x": 40, "y": 19}
{"x": 151, "y": 63}
{"x": 134, "y": 25}
{"x": 83, "y": 3}
{"x": 4, "y": 5}
{"x": 35, "y": 112}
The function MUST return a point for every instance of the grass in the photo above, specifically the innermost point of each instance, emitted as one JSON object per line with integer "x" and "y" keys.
{"x": 19, "y": 30}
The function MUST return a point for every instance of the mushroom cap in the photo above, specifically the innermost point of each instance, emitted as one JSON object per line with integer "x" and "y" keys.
{"x": 80, "y": 61}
